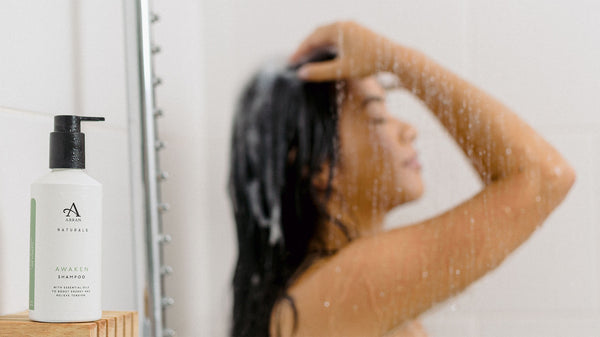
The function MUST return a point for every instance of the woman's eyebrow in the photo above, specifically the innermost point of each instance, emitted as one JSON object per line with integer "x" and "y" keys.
{"x": 372, "y": 98}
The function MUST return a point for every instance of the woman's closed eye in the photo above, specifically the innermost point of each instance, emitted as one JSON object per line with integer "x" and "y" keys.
{"x": 378, "y": 120}
{"x": 373, "y": 105}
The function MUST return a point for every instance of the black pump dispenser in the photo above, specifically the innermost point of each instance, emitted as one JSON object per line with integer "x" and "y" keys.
{"x": 67, "y": 142}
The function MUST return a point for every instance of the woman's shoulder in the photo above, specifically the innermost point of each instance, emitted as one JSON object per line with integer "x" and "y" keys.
{"x": 343, "y": 292}
{"x": 282, "y": 313}
{"x": 314, "y": 266}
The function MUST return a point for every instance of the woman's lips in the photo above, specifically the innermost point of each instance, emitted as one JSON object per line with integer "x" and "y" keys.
{"x": 413, "y": 162}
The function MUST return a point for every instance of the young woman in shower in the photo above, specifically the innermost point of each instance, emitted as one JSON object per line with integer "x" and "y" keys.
{"x": 317, "y": 161}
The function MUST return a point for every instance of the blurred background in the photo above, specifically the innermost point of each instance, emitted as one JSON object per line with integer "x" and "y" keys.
{"x": 68, "y": 57}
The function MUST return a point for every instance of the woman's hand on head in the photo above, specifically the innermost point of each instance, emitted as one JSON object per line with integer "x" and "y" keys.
{"x": 360, "y": 52}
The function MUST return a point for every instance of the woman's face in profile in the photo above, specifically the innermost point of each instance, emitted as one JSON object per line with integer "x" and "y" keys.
{"x": 378, "y": 163}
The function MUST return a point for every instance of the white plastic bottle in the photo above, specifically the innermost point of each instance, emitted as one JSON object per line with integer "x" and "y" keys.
{"x": 66, "y": 232}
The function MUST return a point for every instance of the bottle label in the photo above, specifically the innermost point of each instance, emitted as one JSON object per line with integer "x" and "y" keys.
{"x": 66, "y": 254}
{"x": 32, "y": 255}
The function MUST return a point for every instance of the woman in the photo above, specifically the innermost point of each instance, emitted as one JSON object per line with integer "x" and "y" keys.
{"x": 317, "y": 162}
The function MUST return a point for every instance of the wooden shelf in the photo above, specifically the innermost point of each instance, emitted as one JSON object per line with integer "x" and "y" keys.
{"x": 112, "y": 324}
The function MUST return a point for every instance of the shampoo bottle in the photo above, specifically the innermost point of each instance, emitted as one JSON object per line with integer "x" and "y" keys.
{"x": 66, "y": 232}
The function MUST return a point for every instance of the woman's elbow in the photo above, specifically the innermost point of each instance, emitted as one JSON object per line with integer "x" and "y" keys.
{"x": 570, "y": 177}
{"x": 558, "y": 181}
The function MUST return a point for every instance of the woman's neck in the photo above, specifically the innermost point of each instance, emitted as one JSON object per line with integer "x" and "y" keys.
{"x": 347, "y": 222}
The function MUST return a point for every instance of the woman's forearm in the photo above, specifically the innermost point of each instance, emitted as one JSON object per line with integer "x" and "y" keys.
{"x": 496, "y": 140}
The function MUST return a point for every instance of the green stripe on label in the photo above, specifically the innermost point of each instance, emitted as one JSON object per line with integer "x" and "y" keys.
{"x": 32, "y": 255}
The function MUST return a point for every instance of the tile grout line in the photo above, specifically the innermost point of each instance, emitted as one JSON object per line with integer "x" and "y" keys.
{"x": 12, "y": 112}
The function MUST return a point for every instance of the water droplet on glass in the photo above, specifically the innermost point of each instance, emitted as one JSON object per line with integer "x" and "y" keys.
{"x": 557, "y": 171}
{"x": 326, "y": 304}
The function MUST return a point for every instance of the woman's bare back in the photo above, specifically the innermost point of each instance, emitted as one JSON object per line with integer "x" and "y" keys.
{"x": 409, "y": 329}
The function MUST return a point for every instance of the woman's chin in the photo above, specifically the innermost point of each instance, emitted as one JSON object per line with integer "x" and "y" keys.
{"x": 408, "y": 195}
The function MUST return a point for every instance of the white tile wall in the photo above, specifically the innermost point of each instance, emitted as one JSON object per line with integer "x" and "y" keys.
{"x": 36, "y": 56}
{"x": 538, "y": 57}
{"x": 536, "y": 325}
{"x": 449, "y": 324}
{"x": 101, "y": 57}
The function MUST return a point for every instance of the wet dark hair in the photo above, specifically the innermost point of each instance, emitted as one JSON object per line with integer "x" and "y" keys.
{"x": 284, "y": 131}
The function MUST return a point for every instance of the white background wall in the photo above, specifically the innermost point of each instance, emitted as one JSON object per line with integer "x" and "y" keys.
{"x": 538, "y": 57}
{"x": 63, "y": 57}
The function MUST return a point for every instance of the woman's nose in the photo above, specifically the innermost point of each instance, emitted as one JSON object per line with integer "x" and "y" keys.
{"x": 408, "y": 133}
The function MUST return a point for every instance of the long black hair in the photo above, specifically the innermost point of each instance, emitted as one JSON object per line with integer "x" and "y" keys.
{"x": 284, "y": 131}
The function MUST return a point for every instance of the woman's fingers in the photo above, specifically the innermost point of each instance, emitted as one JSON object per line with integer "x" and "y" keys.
{"x": 321, "y": 71}
{"x": 322, "y": 37}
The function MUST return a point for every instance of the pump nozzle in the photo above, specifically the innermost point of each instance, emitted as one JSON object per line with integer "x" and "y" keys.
{"x": 67, "y": 142}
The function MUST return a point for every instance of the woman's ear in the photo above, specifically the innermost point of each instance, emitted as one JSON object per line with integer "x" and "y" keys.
{"x": 321, "y": 180}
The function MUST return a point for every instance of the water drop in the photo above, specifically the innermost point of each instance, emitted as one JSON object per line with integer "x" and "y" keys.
{"x": 557, "y": 170}
{"x": 326, "y": 304}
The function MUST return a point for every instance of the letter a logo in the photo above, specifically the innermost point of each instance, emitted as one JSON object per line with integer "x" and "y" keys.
{"x": 73, "y": 209}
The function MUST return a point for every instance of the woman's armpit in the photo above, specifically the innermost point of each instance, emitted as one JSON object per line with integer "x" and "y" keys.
{"x": 409, "y": 329}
